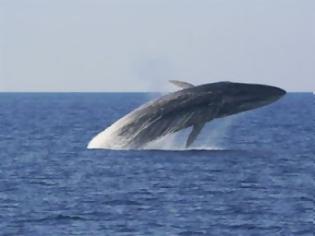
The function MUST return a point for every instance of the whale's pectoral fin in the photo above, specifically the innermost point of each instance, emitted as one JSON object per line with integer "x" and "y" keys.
{"x": 181, "y": 84}
{"x": 194, "y": 133}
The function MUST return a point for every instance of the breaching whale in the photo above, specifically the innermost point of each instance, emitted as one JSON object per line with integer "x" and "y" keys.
{"x": 192, "y": 106}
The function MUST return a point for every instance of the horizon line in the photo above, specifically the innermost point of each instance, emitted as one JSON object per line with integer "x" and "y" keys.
{"x": 19, "y": 91}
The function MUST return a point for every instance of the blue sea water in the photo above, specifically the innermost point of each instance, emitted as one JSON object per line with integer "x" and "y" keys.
{"x": 250, "y": 174}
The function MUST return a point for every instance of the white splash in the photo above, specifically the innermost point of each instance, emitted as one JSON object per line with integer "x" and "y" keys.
{"x": 211, "y": 138}
{"x": 109, "y": 138}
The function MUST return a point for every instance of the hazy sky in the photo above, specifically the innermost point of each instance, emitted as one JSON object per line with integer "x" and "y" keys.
{"x": 138, "y": 45}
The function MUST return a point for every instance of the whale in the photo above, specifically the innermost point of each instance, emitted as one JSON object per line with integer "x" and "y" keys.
{"x": 190, "y": 106}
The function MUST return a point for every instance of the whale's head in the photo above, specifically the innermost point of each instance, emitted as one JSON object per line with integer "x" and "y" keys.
{"x": 239, "y": 97}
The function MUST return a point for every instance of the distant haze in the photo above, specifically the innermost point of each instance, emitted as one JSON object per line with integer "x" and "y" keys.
{"x": 138, "y": 45}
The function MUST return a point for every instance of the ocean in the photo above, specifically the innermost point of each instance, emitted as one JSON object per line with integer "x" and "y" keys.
{"x": 248, "y": 174}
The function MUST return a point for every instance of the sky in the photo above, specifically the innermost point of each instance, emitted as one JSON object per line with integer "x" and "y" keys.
{"x": 138, "y": 45}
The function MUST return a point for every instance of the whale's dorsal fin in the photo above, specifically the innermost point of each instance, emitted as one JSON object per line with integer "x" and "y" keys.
{"x": 194, "y": 133}
{"x": 181, "y": 84}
